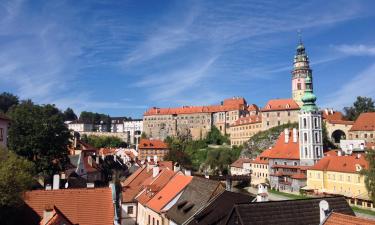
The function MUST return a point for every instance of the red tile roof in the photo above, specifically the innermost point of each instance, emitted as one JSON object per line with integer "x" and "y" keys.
{"x": 152, "y": 144}
{"x": 248, "y": 120}
{"x": 239, "y": 162}
{"x": 170, "y": 191}
{"x": 57, "y": 218}
{"x": 342, "y": 219}
{"x": 253, "y": 107}
{"x": 228, "y": 105}
{"x": 154, "y": 186}
{"x": 282, "y": 150}
{"x": 262, "y": 158}
{"x": 280, "y": 104}
{"x": 344, "y": 164}
{"x": 365, "y": 122}
{"x": 133, "y": 184}
{"x": 80, "y": 206}
{"x": 299, "y": 176}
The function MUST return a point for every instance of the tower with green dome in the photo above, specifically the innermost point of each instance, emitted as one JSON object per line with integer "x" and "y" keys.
{"x": 301, "y": 70}
{"x": 310, "y": 127}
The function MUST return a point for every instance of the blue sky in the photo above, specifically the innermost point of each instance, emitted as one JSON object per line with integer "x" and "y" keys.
{"x": 121, "y": 57}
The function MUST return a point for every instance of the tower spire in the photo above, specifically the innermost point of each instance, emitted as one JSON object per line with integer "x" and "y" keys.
{"x": 299, "y": 37}
{"x": 309, "y": 97}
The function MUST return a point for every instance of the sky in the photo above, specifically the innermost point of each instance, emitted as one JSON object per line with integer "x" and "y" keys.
{"x": 122, "y": 57}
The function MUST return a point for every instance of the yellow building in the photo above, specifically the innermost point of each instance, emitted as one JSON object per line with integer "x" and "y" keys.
{"x": 259, "y": 168}
{"x": 244, "y": 128}
{"x": 340, "y": 175}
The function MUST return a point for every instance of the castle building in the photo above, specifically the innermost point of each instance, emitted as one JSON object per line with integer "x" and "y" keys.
{"x": 301, "y": 70}
{"x": 278, "y": 112}
{"x": 310, "y": 128}
{"x": 244, "y": 128}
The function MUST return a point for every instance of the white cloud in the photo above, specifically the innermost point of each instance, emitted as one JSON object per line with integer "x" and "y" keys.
{"x": 356, "y": 50}
{"x": 360, "y": 85}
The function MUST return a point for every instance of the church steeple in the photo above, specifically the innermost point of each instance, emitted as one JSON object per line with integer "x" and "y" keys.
{"x": 309, "y": 98}
{"x": 301, "y": 70}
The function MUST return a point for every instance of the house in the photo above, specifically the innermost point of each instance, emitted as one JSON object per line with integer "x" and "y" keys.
{"x": 197, "y": 194}
{"x": 240, "y": 167}
{"x": 339, "y": 174}
{"x": 244, "y": 128}
{"x": 279, "y": 111}
{"x": 337, "y": 126}
{"x": 306, "y": 211}
{"x": 260, "y": 168}
{"x": 91, "y": 206}
{"x": 4, "y": 124}
{"x": 160, "y": 203}
{"x": 79, "y": 146}
{"x": 335, "y": 218}
{"x": 364, "y": 127}
{"x": 285, "y": 171}
{"x": 149, "y": 148}
{"x": 80, "y": 126}
{"x": 133, "y": 128}
{"x": 216, "y": 210}
{"x": 87, "y": 167}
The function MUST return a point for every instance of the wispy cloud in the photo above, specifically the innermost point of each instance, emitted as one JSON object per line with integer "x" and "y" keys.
{"x": 361, "y": 85}
{"x": 356, "y": 50}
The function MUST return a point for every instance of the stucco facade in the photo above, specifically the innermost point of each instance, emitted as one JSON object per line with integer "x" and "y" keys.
{"x": 244, "y": 128}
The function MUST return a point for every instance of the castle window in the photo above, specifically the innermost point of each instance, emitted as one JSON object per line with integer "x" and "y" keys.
{"x": 317, "y": 137}
{"x": 305, "y": 137}
{"x": 299, "y": 86}
{"x": 304, "y": 122}
{"x": 316, "y": 122}
{"x": 317, "y": 152}
{"x": 305, "y": 152}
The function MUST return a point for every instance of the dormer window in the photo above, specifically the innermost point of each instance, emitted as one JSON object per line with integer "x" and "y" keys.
{"x": 358, "y": 167}
{"x": 287, "y": 106}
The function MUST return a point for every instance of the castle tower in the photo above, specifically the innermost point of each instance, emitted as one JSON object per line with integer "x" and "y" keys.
{"x": 310, "y": 128}
{"x": 301, "y": 69}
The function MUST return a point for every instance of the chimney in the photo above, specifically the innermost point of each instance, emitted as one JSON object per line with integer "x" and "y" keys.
{"x": 56, "y": 182}
{"x": 155, "y": 170}
{"x": 47, "y": 215}
{"x": 90, "y": 185}
{"x": 331, "y": 111}
{"x": 176, "y": 167}
{"x": 187, "y": 172}
{"x": 48, "y": 187}
{"x": 155, "y": 158}
{"x": 295, "y": 135}
{"x": 148, "y": 159}
{"x": 262, "y": 195}
{"x": 324, "y": 210}
{"x": 326, "y": 111}
{"x": 358, "y": 156}
{"x": 339, "y": 153}
{"x": 286, "y": 132}
{"x": 89, "y": 160}
{"x": 362, "y": 146}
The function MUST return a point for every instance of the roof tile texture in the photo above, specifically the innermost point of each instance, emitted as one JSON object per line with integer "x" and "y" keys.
{"x": 365, "y": 122}
{"x": 280, "y": 104}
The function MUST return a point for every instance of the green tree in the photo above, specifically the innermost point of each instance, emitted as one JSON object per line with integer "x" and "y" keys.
{"x": 370, "y": 174}
{"x": 214, "y": 136}
{"x": 39, "y": 134}
{"x": 327, "y": 143}
{"x": 361, "y": 105}
{"x": 16, "y": 176}
{"x": 7, "y": 100}
{"x": 104, "y": 141}
{"x": 69, "y": 115}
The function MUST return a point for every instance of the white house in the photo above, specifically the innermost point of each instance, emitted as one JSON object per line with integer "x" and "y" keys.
{"x": 78, "y": 126}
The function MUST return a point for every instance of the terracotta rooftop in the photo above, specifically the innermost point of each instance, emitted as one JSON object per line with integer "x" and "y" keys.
{"x": 154, "y": 185}
{"x": 169, "y": 191}
{"x": 228, "y": 105}
{"x": 133, "y": 184}
{"x": 80, "y": 206}
{"x": 239, "y": 162}
{"x": 152, "y": 144}
{"x": 248, "y": 120}
{"x": 253, "y": 107}
{"x": 345, "y": 164}
{"x": 342, "y": 219}
{"x": 280, "y": 104}
{"x": 262, "y": 158}
{"x": 282, "y": 150}
{"x": 56, "y": 218}
{"x": 365, "y": 122}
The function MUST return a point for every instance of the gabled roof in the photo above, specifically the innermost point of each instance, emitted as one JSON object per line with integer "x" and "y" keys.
{"x": 262, "y": 158}
{"x": 154, "y": 185}
{"x": 342, "y": 219}
{"x": 365, "y": 122}
{"x": 81, "y": 206}
{"x": 280, "y": 104}
{"x": 57, "y": 218}
{"x": 218, "y": 208}
{"x": 344, "y": 164}
{"x": 239, "y": 162}
{"x": 195, "y": 196}
{"x": 253, "y": 107}
{"x": 169, "y": 191}
{"x": 133, "y": 184}
{"x": 282, "y": 150}
{"x": 152, "y": 144}
{"x": 305, "y": 211}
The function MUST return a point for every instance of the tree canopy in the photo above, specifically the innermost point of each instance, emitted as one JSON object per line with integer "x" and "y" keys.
{"x": 214, "y": 136}
{"x": 370, "y": 174}
{"x": 69, "y": 115}
{"x": 361, "y": 105}
{"x": 39, "y": 134}
{"x": 94, "y": 118}
{"x": 7, "y": 100}
{"x": 103, "y": 141}
{"x": 16, "y": 176}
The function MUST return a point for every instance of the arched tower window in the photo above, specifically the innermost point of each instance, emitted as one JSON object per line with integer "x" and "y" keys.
{"x": 317, "y": 152}
{"x": 306, "y": 153}
{"x": 316, "y": 137}
{"x": 304, "y": 123}
{"x": 316, "y": 122}
{"x": 299, "y": 86}
{"x": 305, "y": 137}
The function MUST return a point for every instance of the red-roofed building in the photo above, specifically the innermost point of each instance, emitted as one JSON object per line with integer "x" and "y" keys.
{"x": 337, "y": 126}
{"x": 78, "y": 206}
{"x": 364, "y": 127}
{"x": 260, "y": 168}
{"x": 244, "y": 128}
{"x": 240, "y": 167}
{"x": 195, "y": 120}
{"x": 153, "y": 212}
{"x": 148, "y": 149}
{"x": 339, "y": 174}
{"x": 343, "y": 219}
{"x": 279, "y": 111}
